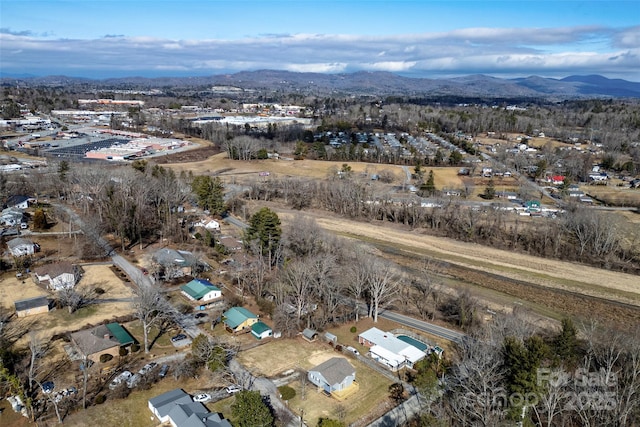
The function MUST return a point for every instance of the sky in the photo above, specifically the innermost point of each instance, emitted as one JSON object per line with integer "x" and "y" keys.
{"x": 434, "y": 39}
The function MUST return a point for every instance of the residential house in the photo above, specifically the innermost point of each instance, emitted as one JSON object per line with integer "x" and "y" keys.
{"x": 211, "y": 225}
{"x": 201, "y": 290}
{"x": 178, "y": 408}
{"x": 11, "y": 217}
{"x": 18, "y": 202}
{"x": 389, "y": 350}
{"x": 451, "y": 192}
{"x": 261, "y": 330}
{"x": 103, "y": 339}
{"x": 58, "y": 276}
{"x": 30, "y": 306}
{"x": 21, "y": 247}
{"x": 509, "y": 195}
{"x": 238, "y": 319}
{"x": 175, "y": 263}
{"x": 231, "y": 243}
{"x": 336, "y": 374}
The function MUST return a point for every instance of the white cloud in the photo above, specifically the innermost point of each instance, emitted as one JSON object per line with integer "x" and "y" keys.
{"x": 568, "y": 50}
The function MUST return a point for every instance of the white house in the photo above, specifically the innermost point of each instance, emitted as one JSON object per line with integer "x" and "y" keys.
{"x": 209, "y": 225}
{"x": 21, "y": 247}
{"x": 58, "y": 276}
{"x": 201, "y": 290}
{"x": 389, "y": 350}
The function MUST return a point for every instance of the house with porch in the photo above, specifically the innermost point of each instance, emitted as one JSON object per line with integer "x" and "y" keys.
{"x": 333, "y": 375}
{"x": 103, "y": 339}
{"x": 58, "y": 275}
{"x": 238, "y": 319}
{"x": 21, "y": 247}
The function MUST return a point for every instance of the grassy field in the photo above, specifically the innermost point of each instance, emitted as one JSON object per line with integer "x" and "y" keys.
{"x": 616, "y": 196}
{"x": 282, "y": 355}
{"x": 130, "y": 412}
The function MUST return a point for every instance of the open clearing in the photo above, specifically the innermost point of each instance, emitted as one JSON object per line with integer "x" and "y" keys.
{"x": 281, "y": 355}
{"x": 234, "y": 170}
{"x": 59, "y": 321}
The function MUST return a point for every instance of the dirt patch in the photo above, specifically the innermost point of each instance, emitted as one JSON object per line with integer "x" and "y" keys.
{"x": 186, "y": 156}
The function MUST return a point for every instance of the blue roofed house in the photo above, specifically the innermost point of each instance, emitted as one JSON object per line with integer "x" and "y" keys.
{"x": 201, "y": 290}
{"x": 238, "y": 319}
{"x": 334, "y": 375}
{"x": 261, "y": 330}
{"x": 178, "y": 408}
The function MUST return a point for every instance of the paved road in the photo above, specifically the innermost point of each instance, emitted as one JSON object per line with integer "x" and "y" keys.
{"x": 448, "y": 334}
{"x": 400, "y": 415}
{"x": 266, "y": 387}
{"x": 186, "y": 322}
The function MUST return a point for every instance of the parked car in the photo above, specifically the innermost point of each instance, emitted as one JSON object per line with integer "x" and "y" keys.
{"x": 178, "y": 337}
{"x": 47, "y": 386}
{"x": 163, "y": 371}
{"x": 147, "y": 368}
{"x": 202, "y": 397}
{"x": 233, "y": 389}
{"x": 200, "y": 315}
{"x": 352, "y": 350}
{"x": 123, "y": 376}
{"x": 134, "y": 380}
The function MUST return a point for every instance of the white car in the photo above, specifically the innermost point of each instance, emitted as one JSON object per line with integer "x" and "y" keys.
{"x": 147, "y": 368}
{"x": 134, "y": 380}
{"x": 202, "y": 397}
{"x": 123, "y": 376}
{"x": 353, "y": 350}
{"x": 233, "y": 389}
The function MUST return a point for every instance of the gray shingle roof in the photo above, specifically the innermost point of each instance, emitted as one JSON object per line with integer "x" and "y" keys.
{"x": 28, "y": 303}
{"x": 335, "y": 370}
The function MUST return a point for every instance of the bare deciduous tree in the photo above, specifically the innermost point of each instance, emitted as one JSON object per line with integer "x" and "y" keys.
{"x": 151, "y": 309}
{"x": 383, "y": 285}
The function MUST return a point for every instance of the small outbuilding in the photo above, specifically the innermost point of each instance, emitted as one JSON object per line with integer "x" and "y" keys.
{"x": 261, "y": 330}
{"x": 310, "y": 334}
{"x": 30, "y": 306}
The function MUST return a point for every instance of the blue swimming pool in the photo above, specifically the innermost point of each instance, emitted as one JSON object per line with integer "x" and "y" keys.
{"x": 417, "y": 344}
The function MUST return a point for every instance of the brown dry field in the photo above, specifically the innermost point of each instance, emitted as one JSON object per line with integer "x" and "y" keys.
{"x": 59, "y": 321}
{"x": 618, "y": 196}
{"x": 236, "y": 171}
{"x": 535, "y": 142}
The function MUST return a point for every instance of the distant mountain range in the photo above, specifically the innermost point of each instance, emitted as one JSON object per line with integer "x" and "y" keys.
{"x": 371, "y": 83}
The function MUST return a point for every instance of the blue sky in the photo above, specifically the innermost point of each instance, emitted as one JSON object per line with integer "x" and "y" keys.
{"x": 105, "y": 38}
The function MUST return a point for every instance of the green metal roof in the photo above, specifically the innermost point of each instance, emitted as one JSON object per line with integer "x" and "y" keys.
{"x": 119, "y": 332}
{"x": 198, "y": 288}
{"x": 235, "y": 316}
{"x": 260, "y": 327}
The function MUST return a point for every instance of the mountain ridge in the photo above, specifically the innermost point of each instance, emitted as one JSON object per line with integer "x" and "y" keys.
{"x": 372, "y": 83}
